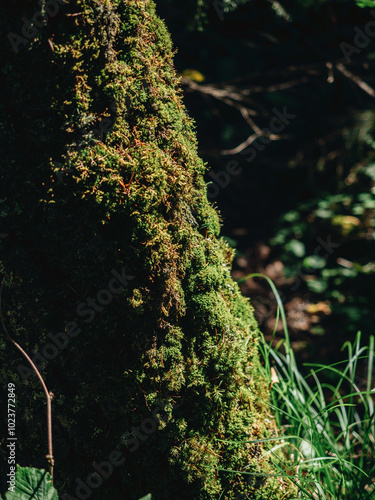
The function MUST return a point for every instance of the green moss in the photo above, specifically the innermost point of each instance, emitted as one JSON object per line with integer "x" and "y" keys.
{"x": 83, "y": 203}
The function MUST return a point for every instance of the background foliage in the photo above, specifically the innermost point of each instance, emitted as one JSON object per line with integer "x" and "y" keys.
{"x": 312, "y": 182}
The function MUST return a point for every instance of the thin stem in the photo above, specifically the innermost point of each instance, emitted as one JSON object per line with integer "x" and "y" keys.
{"x": 49, "y": 395}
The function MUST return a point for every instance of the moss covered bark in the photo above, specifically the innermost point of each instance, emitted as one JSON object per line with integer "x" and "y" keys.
{"x": 100, "y": 177}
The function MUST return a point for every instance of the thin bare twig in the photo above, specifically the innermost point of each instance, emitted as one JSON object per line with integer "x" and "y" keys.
{"x": 49, "y": 395}
{"x": 239, "y": 100}
{"x": 225, "y": 94}
{"x": 356, "y": 79}
{"x": 339, "y": 66}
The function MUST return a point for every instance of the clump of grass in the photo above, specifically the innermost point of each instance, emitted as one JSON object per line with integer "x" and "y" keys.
{"x": 326, "y": 429}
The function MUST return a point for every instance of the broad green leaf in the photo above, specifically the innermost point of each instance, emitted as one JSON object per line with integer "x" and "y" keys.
{"x": 365, "y": 3}
{"x": 147, "y": 497}
{"x": 323, "y": 213}
{"x": 317, "y": 286}
{"x": 296, "y": 247}
{"x": 314, "y": 262}
{"x": 370, "y": 169}
{"x": 292, "y": 216}
{"x": 32, "y": 483}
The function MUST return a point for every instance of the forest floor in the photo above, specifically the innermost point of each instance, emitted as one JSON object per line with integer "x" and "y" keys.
{"x": 300, "y": 313}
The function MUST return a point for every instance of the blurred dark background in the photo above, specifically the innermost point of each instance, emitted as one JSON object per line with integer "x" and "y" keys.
{"x": 296, "y": 193}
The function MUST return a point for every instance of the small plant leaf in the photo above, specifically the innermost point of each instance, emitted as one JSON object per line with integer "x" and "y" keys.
{"x": 147, "y": 497}
{"x": 32, "y": 484}
{"x": 296, "y": 247}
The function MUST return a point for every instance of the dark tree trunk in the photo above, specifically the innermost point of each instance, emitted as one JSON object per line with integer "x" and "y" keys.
{"x": 116, "y": 277}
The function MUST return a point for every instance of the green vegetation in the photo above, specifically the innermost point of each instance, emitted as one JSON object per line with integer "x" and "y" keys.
{"x": 35, "y": 484}
{"x": 327, "y": 419}
{"x": 329, "y": 426}
{"x": 327, "y": 243}
{"x": 32, "y": 484}
{"x": 365, "y": 3}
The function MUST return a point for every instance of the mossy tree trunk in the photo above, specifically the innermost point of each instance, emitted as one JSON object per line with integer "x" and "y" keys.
{"x": 112, "y": 254}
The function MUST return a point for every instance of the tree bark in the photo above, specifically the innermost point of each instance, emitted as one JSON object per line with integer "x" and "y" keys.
{"x": 117, "y": 276}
